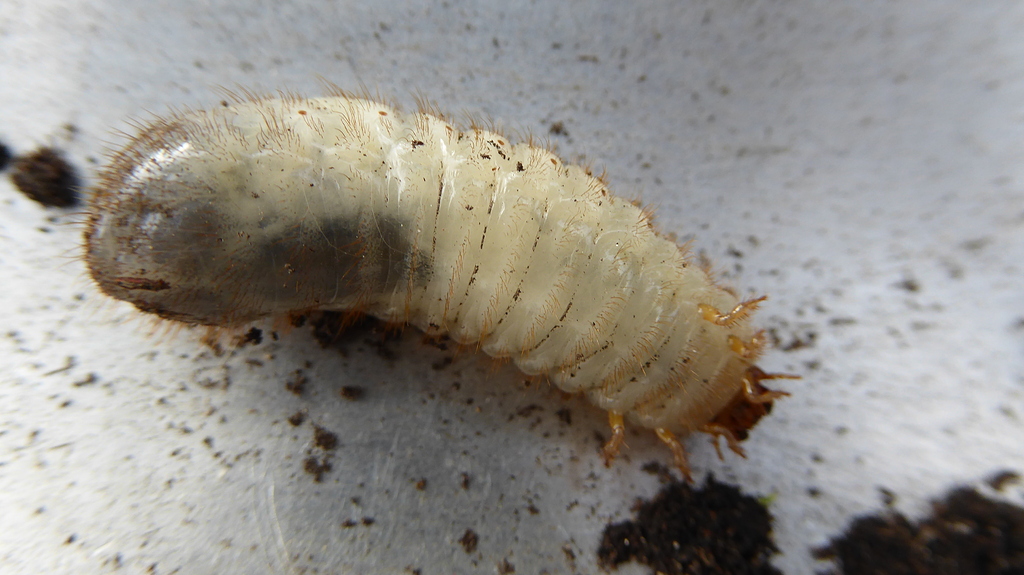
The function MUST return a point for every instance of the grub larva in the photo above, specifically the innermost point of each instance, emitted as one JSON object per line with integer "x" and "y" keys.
{"x": 271, "y": 206}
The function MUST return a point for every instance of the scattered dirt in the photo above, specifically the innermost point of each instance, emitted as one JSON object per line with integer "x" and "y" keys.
{"x": 967, "y": 534}
{"x": 297, "y": 384}
{"x": 316, "y": 467}
{"x": 297, "y": 418}
{"x": 565, "y": 414}
{"x": 352, "y": 392}
{"x": 469, "y": 541}
{"x": 46, "y": 177}
{"x": 254, "y": 336}
{"x": 324, "y": 438}
{"x": 506, "y": 567}
{"x": 683, "y": 531}
{"x": 558, "y": 129}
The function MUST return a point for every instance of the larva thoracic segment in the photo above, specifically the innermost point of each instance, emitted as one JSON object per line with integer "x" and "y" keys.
{"x": 274, "y": 206}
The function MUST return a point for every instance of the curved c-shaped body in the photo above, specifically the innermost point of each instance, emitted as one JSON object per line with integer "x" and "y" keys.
{"x": 273, "y": 206}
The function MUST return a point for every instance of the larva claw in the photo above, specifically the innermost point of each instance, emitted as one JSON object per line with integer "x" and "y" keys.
{"x": 716, "y": 431}
{"x": 753, "y": 402}
{"x": 611, "y": 448}
{"x": 678, "y": 451}
{"x": 742, "y": 310}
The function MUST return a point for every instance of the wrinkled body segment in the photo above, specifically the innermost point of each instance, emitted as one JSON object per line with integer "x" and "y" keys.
{"x": 267, "y": 207}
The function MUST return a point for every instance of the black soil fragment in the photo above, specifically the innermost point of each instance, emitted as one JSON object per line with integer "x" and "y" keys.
{"x": 253, "y": 336}
{"x": 317, "y": 467}
{"x": 469, "y": 541}
{"x": 297, "y": 384}
{"x": 297, "y": 418}
{"x": 324, "y": 438}
{"x": 46, "y": 177}
{"x": 967, "y": 534}
{"x": 352, "y": 392}
{"x": 714, "y": 530}
{"x": 5, "y": 156}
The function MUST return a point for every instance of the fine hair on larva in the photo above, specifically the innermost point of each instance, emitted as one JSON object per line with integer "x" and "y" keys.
{"x": 275, "y": 206}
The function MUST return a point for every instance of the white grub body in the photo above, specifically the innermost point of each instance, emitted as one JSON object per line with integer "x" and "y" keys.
{"x": 265, "y": 207}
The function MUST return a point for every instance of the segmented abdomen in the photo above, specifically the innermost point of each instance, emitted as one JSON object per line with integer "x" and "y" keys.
{"x": 268, "y": 207}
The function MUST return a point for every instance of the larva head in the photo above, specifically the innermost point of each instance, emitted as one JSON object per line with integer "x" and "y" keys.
{"x": 748, "y": 407}
{"x": 202, "y": 221}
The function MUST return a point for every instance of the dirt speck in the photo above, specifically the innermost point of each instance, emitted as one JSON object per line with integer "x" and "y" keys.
{"x": 1000, "y": 479}
{"x": 565, "y": 414}
{"x": 558, "y": 129}
{"x": 297, "y": 418}
{"x": 421, "y": 484}
{"x": 254, "y": 336}
{"x": 659, "y": 470}
{"x": 352, "y": 392}
{"x": 465, "y": 480}
{"x": 46, "y": 177}
{"x": 324, "y": 438}
{"x": 910, "y": 284}
{"x": 713, "y": 530}
{"x": 506, "y": 567}
{"x": 469, "y": 541}
{"x": 5, "y": 156}
{"x": 316, "y": 467}
{"x": 297, "y": 384}
{"x": 966, "y": 534}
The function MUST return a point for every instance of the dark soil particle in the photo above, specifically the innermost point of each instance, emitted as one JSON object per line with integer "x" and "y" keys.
{"x": 967, "y": 534}
{"x": 713, "y": 530}
{"x": 469, "y": 541}
{"x": 1001, "y": 479}
{"x": 316, "y": 467}
{"x": 297, "y": 418}
{"x": 297, "y": 384}
{"x": 46, "y": 177}
{"x": 5, "y": 156}
{"x": 352, "y": 392}
{"x": 324, "y": 438}
{"x": 253, "y": 336}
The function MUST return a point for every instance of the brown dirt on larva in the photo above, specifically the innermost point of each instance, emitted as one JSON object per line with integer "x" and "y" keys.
{"x": 686, "y": 531}
{"x": 966, "y": 534}
{"x": 46, "y": 177}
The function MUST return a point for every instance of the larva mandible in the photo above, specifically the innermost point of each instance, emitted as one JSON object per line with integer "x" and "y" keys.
{"x": 271, "y": 206}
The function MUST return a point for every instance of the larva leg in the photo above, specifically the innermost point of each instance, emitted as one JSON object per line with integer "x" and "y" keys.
{"x": 715, "y": 431}
{"x": 749, "y": 349}
{"x": 742, "y": 310}
{"x": 755, "y": 393}
{"x": 678, "y": 451}
{"x": 618, "y": 425}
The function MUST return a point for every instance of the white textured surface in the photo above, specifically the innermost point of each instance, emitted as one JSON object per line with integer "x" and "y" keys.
{"x": 845, "y": 149}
